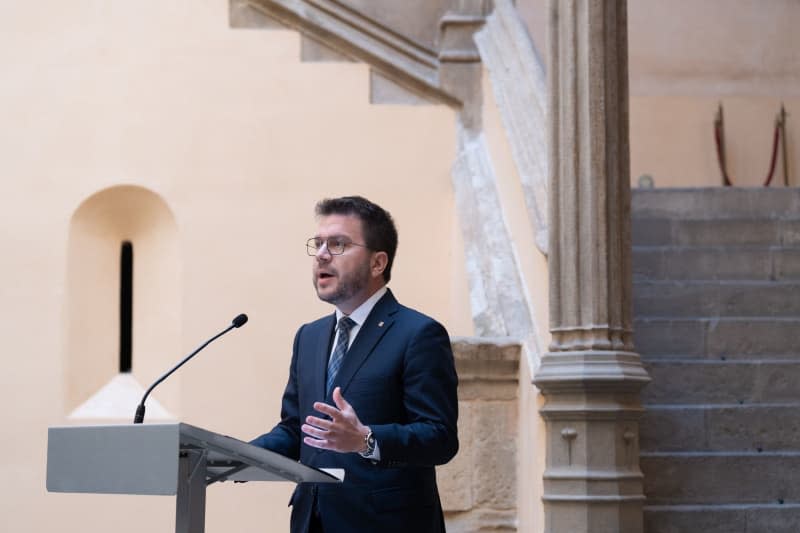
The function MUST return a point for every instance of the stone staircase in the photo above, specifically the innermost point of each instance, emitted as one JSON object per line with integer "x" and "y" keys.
{"x": 717, "y": 317}
{"x": 417, "y": 53}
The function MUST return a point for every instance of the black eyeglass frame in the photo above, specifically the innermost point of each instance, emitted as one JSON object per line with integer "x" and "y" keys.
{"x": 312, "y": 249}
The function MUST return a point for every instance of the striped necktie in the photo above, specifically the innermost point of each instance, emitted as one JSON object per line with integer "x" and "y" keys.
{"x": 342, "y": 340}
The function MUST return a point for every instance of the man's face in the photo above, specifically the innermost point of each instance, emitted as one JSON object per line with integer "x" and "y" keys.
{"x": 344, "y": 280}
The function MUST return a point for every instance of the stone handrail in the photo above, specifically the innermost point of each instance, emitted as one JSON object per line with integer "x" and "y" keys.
{"x": 497, "y": 295}
{"x": 353, "y": 34}
{"x": 518, "y": 82}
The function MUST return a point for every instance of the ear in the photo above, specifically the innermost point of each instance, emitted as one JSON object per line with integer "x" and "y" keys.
{"x": 378, "y": 263}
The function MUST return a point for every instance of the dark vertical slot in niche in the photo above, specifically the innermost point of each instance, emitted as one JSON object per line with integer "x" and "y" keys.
{"x": 126, "y": 307}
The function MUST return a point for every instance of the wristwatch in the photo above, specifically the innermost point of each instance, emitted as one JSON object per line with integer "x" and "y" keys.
{"x": 369, "y": 440}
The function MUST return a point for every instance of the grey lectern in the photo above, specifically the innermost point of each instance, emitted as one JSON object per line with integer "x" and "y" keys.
{"x": 163, "y": 459}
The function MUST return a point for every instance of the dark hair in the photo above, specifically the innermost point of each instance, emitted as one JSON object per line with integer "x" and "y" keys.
{"x": 380, "y": 235}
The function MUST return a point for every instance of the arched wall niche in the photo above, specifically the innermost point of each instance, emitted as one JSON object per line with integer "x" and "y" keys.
{"x": 94, "y": 387}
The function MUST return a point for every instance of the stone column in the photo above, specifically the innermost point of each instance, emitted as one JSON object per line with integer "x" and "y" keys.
{"x": 591, "y": 377}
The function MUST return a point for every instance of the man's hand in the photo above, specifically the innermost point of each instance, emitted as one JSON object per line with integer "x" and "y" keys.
{"x": 343, "y": 432}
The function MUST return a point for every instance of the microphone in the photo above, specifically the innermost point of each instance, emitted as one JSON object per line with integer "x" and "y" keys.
{"x": 237, "y": 322}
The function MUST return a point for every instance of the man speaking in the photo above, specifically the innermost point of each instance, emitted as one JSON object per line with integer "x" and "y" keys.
{"x": 372, "y": 388}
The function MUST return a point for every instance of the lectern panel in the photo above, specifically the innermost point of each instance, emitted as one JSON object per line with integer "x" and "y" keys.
{"x": 123, "y": 459}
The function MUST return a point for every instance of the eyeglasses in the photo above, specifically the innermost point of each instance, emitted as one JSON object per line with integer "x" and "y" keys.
{"x": 334, "y": 245}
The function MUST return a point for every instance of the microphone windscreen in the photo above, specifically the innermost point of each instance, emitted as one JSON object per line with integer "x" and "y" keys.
{"x": 240, "y": 321}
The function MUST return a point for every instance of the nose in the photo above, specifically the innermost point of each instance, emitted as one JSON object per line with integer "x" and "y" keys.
{"x": 323, "y": 254}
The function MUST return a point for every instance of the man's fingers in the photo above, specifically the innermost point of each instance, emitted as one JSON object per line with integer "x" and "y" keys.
{"x": 316, "y": 443}
{"x": 341, "y": 433}
{"x": 329, "y": 410}
{"x": 339, "y": 400}
{"x": 318, "y": 422}
{"x": 314, "y": 431}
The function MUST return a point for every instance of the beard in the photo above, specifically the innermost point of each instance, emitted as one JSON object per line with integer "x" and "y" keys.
{"x": 347, "y": 286}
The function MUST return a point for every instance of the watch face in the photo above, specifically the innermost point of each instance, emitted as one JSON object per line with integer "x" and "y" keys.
{"x": 369, "y": 440}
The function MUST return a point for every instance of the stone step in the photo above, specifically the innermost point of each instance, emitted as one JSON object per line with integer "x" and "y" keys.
{"x": 717, "y": 338}
{"x": 716, "y": 232}
{"x": 679, "y": 299}
{"x": 721, "y": 478}
{"x": 716, "y": 202}
{"x": 716, "y": 263}
{"x": 715, "y": 428}
{"x": 758, "y": 518}
{"x": 722, "y": 382}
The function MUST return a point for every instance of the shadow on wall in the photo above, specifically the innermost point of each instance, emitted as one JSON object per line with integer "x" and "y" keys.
{"x": 123, "y": 301}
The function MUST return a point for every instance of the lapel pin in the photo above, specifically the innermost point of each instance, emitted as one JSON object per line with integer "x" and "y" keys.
{"x": 380, "y": 324}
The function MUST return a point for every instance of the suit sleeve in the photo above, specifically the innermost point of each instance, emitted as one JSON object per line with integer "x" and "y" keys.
{"x": 285, "y": 437}
{"x": 429, "y": 436}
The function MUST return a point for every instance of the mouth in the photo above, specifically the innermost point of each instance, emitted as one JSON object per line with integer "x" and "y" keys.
{"x": 322, "y": 276}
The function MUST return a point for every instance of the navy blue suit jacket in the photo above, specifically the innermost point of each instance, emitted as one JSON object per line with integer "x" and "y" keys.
{"x": 400, "y": 378}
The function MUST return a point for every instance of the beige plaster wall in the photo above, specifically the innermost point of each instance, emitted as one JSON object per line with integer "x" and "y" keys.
{"x": 531, "y": 455}
{"x": 672, "y": 139}
{"x": 533, "y": 268}
{"x": 238, "y": 139}
{"x": 687, "y": 57}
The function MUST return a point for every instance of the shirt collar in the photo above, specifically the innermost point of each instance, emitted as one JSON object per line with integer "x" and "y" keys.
{"x": 360, "y": 314}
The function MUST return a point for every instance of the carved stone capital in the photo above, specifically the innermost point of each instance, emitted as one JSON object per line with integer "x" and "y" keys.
{"x": 488, "y": 368}
{"x": 590, "y": 371}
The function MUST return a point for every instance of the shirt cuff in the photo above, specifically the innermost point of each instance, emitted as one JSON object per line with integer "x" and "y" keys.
{"x": 375, "y": 455}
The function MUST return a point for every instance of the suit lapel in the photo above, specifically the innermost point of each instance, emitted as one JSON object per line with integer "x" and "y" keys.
{"x": 321, "y": 355}
{"x": 378, "y": 322}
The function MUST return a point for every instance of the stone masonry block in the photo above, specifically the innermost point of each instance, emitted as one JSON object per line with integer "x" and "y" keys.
{"x": 735, "y": 478}
{"x": 717, "y": 232}
{"x": 477, "y": 389}
{"x": 675, "y": 299}
{"x": 487, "y": 368}
{"x": 725, "y": 428}
{"x": 455, "y": 478}
{"x": 715, "y": 202}
{"x": 648, "y": 263}
{"x": 700, "y": 382}
{"x": 774, "y": 519}
{"x": 494, "y": 454}
{"x": 753, "y": 337}
{"x": 502, "y": 355}
{"x": 651, "y": 231}
{"x": 656, "y": 338}
{"x": 768, "y": 518}
{"x": 482, "y": 476}
{"x": 790, "y": 232}
{"x": 481, "y": 520}
{"x": 704, "y": 519}
{"x": 777, "y": 381}
{"x": 769, "y": 299}
{"x": 718, "y": 263}
{"x": 672, "y": 429}
{"x": 752, "y": 428}
{"x": 678, "y": 299}
{"x": 786, "y": 263}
